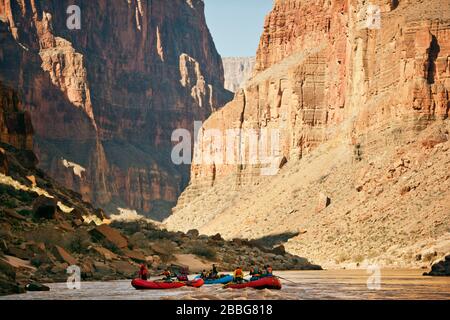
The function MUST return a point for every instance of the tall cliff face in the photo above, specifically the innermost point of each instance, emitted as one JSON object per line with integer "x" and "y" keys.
{"x": 105, "y": 99}
{"x": 320, "y": 70}
{"x": 237, "y": 71}
{"x": 15, "y": 123}
{"x": 346, "y": 97}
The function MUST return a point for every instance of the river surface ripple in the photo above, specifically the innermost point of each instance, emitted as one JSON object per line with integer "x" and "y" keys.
{"x": 327, "y": 284}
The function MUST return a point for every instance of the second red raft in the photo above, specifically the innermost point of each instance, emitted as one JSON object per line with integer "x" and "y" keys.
{"x": 262, "y": 283}
{"x": 160, "y": 285}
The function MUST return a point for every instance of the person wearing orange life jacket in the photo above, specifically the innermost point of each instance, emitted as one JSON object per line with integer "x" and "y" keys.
{"x": 143, "y": 272}
{"x": 167, "y": 275}
{"x": 238, "y": 275}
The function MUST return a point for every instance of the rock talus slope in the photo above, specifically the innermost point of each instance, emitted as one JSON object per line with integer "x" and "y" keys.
{"x": 361, "y": 111}
{"x": 105, "y": 99}
{"x": 45, "y": 228}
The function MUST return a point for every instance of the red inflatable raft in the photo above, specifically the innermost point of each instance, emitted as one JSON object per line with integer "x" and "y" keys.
{"x": 161, "y": 284}
{"x": 263, "y": 283}
{"x": 196, "y": 283}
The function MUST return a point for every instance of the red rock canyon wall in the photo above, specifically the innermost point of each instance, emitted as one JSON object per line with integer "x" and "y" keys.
{"x": 322, "y": 71}
{"x": 105, "y": 99}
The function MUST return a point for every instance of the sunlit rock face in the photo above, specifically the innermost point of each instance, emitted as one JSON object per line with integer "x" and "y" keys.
{"x": 324, "y": 68}
{"x": 108, "y": 96}
{"x": 343, "y": 82}
{"x": 238, "y": 70}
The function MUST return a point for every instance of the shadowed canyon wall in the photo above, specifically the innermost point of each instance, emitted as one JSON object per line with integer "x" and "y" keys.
{"x": 331, "y": 81}
{"x": 105, "y": 99}
{"x": 15, "y": 124}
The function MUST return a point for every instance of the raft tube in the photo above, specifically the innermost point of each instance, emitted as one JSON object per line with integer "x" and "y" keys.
{"x": 161, "y": 284}
{"x": 262, "y": 283}
{"x": 222, "y": 280}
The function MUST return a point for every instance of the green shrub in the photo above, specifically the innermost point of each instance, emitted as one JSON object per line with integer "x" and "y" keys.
{"x": 26, "y": 197}
{"x": 138, "y": 240}
{"x": 128, "y": 227}
{"x": 158, "y": 234}
{"x": 110, "y": 246}
{"x": 20, "y": 195}
{"x": 9, "y": 203}
{"x": 26, "y": 212}
{"x": 78, "y": 241}
{"x": 48, "y": 235}
{"x": 39, "y": 260}
{"x": 208, "y": 253}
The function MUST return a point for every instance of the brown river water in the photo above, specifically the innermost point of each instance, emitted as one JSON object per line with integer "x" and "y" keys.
{"x": 327, "y": 284}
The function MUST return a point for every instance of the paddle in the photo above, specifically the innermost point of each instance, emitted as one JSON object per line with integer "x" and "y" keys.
{"x": 243, "y": 276}
{"x": 159, "y": 275}
{"x": 277, "y": 277}
{"x": 287, "y": 280}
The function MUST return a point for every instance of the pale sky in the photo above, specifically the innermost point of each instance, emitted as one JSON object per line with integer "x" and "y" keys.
{"x": 236, "y": 25}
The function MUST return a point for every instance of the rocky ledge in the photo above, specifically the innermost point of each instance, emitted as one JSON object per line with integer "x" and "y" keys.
{"x": 441, "y": 268}
{"x": 45, "y": 228}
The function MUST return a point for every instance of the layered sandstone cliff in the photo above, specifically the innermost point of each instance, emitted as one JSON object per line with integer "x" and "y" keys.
{"x": 358, "y": 109}
{"x": 237, "y": 71}
{"x": 105, "y": 99}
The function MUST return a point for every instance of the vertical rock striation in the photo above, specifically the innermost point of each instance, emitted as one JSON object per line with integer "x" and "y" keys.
{"x": 107, "y": 97}
{"x": 237, "y": 71}
{"x": 16, "y": 130}
{"x": 344, "y": 93}
{"x": 321, "y": 71}
{"x": 15, "y": 123}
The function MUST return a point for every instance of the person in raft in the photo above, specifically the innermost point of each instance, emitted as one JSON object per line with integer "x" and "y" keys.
{"x": 183, "y": 275}
{"x": 254, "y": 272}
{"x": 143, "y": 271}
{"x": 167, "y": 275}
{"x": 267, "y": 271}
{"x": 238, "y": 275}
{"x": 214, "y": 274}
{"x": 204, "y": 274}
